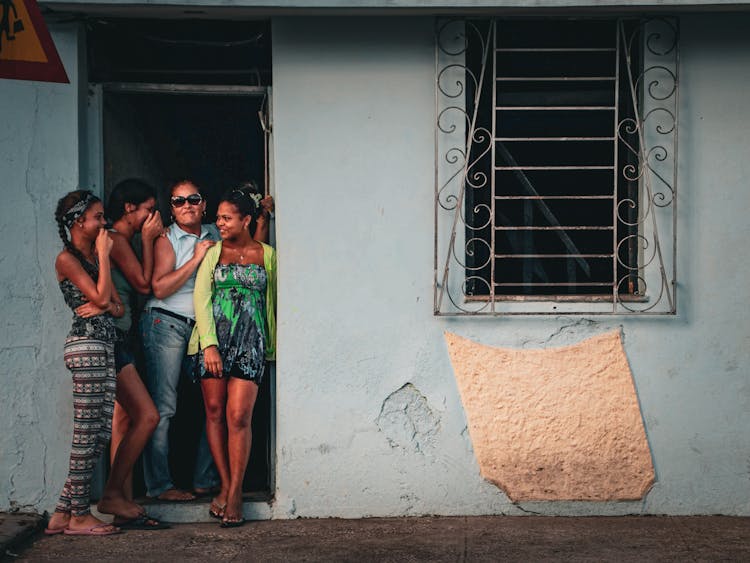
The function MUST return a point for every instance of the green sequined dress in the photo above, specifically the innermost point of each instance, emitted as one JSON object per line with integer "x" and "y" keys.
{"x": 239, "y": 309}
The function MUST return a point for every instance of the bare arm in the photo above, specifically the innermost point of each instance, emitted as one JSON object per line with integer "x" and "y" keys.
{"x": 261, "y": 228}
{"x": 114, "y": 307}
{"x": 138, "y": 273}
{"x": 68, "y": 267}
{"x": 166, "y": 279}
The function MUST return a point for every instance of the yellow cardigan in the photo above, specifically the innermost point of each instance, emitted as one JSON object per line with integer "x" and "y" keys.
{"x": 204, "y": 332}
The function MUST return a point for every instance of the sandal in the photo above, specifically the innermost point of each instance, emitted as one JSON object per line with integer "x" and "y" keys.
{"x": 142, "y": 522}
{"x": 216, "y": 510}
{"x": 233, "y": 523}
{"x": 95, "y": 530}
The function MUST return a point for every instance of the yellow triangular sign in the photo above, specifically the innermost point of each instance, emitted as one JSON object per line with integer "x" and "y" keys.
{"x": 26, "y": 48}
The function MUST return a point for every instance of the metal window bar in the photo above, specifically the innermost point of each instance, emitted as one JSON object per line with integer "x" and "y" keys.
{"x": 615, "y": 155}
{"x": 466, "y": 231}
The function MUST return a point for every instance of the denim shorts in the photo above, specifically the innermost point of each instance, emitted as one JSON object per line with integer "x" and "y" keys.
{"x": 123, "y": 354}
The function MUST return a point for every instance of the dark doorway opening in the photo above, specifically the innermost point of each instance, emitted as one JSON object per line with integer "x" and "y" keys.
{"x": 184, "y": 99}
{"x": 216, "y": 141}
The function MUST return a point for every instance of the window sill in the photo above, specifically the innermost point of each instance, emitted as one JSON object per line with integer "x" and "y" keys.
{"x": 558, "y": 298}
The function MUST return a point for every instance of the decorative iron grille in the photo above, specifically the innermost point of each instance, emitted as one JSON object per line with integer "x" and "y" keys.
{"x": 556, "y": 166}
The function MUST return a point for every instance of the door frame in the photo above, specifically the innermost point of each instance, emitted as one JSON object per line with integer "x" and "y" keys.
{"x": 92, "y": 177}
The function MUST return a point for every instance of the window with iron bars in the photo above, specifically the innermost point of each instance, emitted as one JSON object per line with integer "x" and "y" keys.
{"x": 556, "y": 171}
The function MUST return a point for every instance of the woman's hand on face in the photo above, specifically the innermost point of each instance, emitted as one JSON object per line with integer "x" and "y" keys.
{"x": 103, "y": 243}
{"x": 201, "y": 247}
{"x": 212, "y": 361}
{"x": 88, "y": 310}
{"x": 152, "y": 227}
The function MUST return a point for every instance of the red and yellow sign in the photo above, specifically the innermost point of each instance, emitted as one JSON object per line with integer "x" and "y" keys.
{"x": 26, "y": 48}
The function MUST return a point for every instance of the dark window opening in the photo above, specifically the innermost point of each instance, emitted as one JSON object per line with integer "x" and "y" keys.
{"x": 553, "y": 96}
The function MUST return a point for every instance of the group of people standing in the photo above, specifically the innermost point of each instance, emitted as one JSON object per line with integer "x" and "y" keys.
{"x": 212, "y": 308}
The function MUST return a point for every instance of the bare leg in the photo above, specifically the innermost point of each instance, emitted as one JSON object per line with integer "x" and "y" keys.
{"x": 241, "y": 395}
{"x": 58, "y": 520}
{"x": 135, "y": 400}
{"x": 120, "y": 427}
{"x": 215, "y": 400}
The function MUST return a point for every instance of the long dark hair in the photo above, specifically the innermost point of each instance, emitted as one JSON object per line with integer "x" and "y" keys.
{"x": 133, "y": 191}
{"x": 65, "y": 204}
{"x": 245, "y": 198}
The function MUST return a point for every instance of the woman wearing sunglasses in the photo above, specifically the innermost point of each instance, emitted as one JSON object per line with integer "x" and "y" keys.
{"x": 166, "y": 325}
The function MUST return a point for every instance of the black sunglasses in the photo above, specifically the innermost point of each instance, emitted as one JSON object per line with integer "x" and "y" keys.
{"x": 192, "y": 199}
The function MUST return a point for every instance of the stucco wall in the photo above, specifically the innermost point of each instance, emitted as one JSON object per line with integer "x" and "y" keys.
{"x": 370, "y": 421}
{"x": 39, "y": 161}
{"x": 369, "y": 417}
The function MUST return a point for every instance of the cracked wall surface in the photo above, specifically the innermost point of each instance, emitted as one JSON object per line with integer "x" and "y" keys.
{"x": 555, "y": 424}
{"x": 38, "y": 164}
{"x": 407, "y": 420}
{"x": 353, "y": 155}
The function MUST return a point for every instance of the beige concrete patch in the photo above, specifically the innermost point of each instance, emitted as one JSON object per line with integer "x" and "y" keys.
{"x": 555, "y": 424}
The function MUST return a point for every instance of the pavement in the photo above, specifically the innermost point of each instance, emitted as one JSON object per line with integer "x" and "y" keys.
{"x": 471, "y": 538}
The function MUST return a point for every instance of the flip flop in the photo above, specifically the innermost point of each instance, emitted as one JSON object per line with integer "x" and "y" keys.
{"x": 233, "y": 523}
{"x": 92, "y": 531}
{"x": 218, "y": 514}
{"x": 142, "y": 522}
{"x": 54, "y": 531}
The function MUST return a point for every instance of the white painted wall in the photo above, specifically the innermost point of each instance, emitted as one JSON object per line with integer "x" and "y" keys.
{"x": 369, "y": 417}
{"x": 354, "y": 120}
{"x": 39, "y": 162}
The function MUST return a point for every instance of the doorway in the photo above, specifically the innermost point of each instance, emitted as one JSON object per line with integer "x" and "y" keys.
{"x": 205, "y": 120}
{"x": 217, "y": 142}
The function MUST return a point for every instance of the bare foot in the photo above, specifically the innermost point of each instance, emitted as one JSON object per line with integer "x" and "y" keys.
{"x": 176, "y": 495}
{"x": 205, "y": 491}
{"x": 119, "y": 506}
{"x": 216, "y": 509}
{"x": 233, "y": 510}
{"x": 88, "y": 522}
{"x": 58, "y": 521}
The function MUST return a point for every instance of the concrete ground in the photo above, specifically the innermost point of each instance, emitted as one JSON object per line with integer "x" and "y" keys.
{"x": 477, "y": 538}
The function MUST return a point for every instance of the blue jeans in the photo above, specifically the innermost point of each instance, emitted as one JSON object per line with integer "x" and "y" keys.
{"x": 165, "y": 341}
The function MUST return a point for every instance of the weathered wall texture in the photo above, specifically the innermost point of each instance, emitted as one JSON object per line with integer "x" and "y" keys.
{"x": 369, "y": 418}
{"x": 557, "y": 423}
{"x": 38, "y": 163}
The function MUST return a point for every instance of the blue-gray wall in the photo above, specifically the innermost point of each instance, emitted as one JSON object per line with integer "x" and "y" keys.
{"x": 369, "y": 421}
{"x": 39, "y": 161}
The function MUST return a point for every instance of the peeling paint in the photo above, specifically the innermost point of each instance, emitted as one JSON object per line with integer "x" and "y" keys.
{"x": 407, "y": 420}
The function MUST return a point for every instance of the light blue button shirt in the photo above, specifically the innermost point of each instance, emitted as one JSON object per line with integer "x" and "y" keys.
{"x": 183, "y": 243}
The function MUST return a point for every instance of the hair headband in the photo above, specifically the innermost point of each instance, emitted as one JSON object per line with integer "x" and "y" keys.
{"x": 70, "y": 216}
